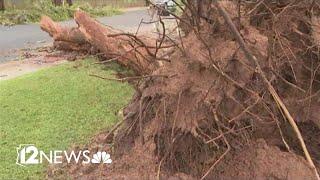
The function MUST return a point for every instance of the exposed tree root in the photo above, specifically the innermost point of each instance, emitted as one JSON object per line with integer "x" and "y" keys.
{"x": 215, "y": 93}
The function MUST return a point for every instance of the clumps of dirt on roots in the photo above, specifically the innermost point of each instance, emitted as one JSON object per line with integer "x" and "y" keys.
{"x": 214, "y": 100}
{"x": 210, "y": 116}
{"x": 260, "y": 161}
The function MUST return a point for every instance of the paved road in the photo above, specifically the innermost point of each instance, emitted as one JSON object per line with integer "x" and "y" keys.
{"x": 31, "y": 36}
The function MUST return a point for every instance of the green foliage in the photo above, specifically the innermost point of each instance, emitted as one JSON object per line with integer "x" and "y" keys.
{"x": 94, "y": 11}
{"x": 55, "y": 108}
{"x": 57, "y": 13}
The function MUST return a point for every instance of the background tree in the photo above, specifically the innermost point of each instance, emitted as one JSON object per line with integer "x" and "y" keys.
{"x": 2, "y": 7}
{"x": 70, "y": 3}
{"x": 58, "y": 2}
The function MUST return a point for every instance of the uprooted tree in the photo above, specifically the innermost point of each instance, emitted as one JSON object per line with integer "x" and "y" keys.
{"x": 245, "y": 70}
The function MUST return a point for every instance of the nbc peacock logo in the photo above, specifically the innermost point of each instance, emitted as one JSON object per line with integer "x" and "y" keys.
{"x": 101, "y": 157}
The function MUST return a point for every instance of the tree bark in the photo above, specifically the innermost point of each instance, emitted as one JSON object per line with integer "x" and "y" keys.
{"x": 129, "y": 50}
{"x": 2, "y": 6}
{"x": 60, "y": 33}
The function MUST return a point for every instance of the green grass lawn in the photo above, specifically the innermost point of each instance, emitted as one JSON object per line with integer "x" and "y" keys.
{"x": 55, "y": 108}
{"x": 33, "y": 13}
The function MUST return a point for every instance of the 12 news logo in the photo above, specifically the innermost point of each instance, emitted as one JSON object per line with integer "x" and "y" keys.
{"x": 29, "y": 154}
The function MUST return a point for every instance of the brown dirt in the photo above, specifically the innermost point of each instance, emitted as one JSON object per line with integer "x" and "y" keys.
{"x": 213, "y": 107}
{"x": 34, "y": 60}
{"x": 256, "y": 160}
{"x": 262, "y": 162}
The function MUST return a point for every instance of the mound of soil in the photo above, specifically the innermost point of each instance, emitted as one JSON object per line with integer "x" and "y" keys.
{"x": 262, "y": 162}
{"x": 256, "y": 160}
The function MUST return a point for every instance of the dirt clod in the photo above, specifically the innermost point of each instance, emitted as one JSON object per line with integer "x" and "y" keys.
{"x": 262, "y": 162}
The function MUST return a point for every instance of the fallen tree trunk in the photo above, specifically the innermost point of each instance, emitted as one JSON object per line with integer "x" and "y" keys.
{"x": 69, "y": 39}
{"x": 60, "y": 33}
{"x": 134, "y": 52}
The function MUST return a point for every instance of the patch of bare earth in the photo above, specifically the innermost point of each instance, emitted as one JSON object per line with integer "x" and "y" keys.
{"x": 34, "y": 60}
